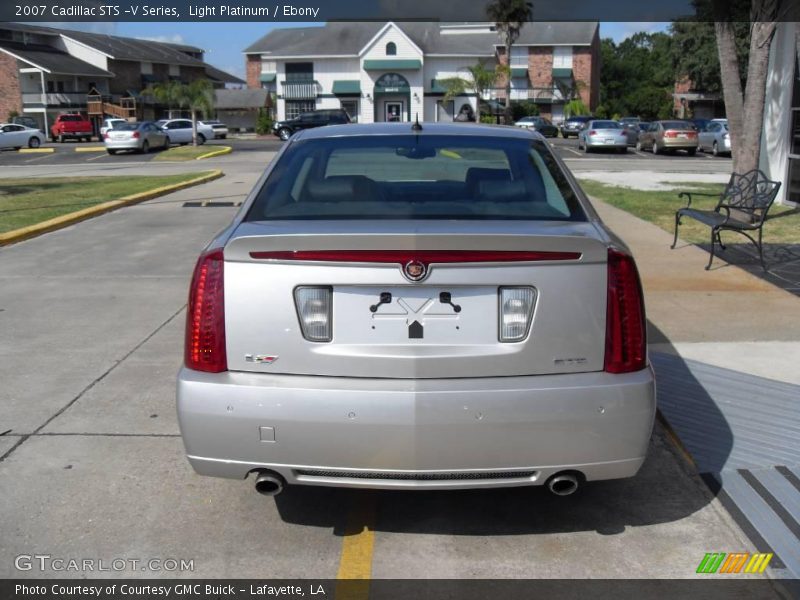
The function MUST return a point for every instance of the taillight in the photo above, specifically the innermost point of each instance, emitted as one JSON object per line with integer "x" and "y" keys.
{"x": 105, "y": 135}
{"x": 670, "y": 134}
{"x": 136, "y": 135}
{"x": 592, "y": 132}
{"x": 626, "y": 341}
{"x": 205, "y": 316}
{"x": 691, "y": 134}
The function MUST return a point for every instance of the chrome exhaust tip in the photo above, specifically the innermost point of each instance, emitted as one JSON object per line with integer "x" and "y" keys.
{"x": 269, "y": 483}
{"x": 563, "y": 484}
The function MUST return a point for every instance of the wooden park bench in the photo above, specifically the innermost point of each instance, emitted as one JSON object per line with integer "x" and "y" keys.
{"x": 742, "y": 207}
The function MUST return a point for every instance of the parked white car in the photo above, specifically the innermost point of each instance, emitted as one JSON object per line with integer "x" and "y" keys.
{"x": 19, "y": 136}
{"x": 109, "y": 124}
{"x": 220, "y": 129}
{"x": 180, "y": 131}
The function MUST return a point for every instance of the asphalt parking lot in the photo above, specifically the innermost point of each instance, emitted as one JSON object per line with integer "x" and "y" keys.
{"x": 92, "y": 152}
{"x": 72, "y": 153}
{"x": 93, "y": 465}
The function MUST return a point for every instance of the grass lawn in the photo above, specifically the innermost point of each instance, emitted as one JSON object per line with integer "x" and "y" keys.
{"x": 25, "y": 202}
{"x": 658, "y": 207}
{"x": 188, "y": 152}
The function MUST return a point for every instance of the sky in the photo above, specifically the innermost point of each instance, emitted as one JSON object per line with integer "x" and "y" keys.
{"x": 224, "y": 42}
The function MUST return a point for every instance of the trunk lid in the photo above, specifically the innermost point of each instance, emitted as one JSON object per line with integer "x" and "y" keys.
{"x": 567, "y": 332}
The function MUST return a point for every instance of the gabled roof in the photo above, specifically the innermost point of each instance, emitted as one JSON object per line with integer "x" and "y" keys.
{"x": 348, "y": 38}
{"x": 382, "y": 31}
{"x": 223, "y": 76}
{"x": 113, "y": 46}
{"x": 124, "y": 48}
{"x": 50, "y": 60}
{"x": 233, "y": 99}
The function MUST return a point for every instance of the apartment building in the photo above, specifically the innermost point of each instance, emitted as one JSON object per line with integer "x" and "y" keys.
{"x": 46, "y": 71}
{"x": 392, "y": 71}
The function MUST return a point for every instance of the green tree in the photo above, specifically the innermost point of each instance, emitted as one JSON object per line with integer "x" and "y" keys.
{"x": 637, "y": 76}
{"x": 198, "y": 97}
{"x": 478, "y": 78}
{"x": 575, "y": 107}
{"x": 168, "y": 93}
{"x": 509, "y": 16}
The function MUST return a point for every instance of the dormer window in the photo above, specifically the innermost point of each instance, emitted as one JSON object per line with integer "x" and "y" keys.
{"x": 391, "y": 49}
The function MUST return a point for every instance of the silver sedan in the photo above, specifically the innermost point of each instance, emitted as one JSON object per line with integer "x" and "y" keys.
{"x": 603, "y": 134}
{"x": 405, "y": 307}
{"x": 715, "y": 138}
{"x": 139, "y": 137}
{"x": 18, "y": 136}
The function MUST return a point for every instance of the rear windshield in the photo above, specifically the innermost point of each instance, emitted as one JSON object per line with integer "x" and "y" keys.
{"x": 417, "y": 177}
{"x": 71, "y": 118}
{"x": 677, "y": 125}
{"x": 126, "y": 126}
{"x": 606, "y": 125}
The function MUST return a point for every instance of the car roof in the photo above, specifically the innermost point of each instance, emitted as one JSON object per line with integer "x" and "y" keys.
{"x": 461, "y": 129}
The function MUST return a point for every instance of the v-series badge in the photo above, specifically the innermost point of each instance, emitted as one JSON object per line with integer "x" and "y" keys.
{"x": 260, "y": 358}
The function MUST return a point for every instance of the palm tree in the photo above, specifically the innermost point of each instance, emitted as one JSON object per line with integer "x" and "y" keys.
{"x": 197, "y": 96}
{"x": 478, "y": 79}
{"x": 166, "y": 92}
{"x": 509, "y": 16}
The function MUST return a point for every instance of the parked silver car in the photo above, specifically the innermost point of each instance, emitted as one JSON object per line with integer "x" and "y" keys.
{"x": 715, "y": 138}
{"x": 180, "y": 131}
{"x": 408, "y": 307}
{"x": 603, "y": 134}
{"x": 139, "y": 137}
{"x": 19, "y": 136}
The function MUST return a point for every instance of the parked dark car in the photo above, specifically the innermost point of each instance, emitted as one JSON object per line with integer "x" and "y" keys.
{"x": 540, "y": 124}
{"x": 309, "y": 120}
{"x": 572, "y": 125}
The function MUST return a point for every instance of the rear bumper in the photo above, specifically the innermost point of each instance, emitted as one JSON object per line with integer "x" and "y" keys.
{"x": 598, "y": 142}
{"x": 123, "y": 144}
{"x": 678, "y": 144}
{"x": 418, "y": 434}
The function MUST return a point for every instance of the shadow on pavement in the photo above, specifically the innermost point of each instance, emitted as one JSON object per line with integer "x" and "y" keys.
{"x": 782, "y": 260}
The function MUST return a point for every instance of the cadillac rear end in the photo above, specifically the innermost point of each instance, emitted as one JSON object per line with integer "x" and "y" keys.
{"x": 428, "y": 308}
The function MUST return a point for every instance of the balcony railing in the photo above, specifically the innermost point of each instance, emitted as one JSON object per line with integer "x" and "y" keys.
{"x": 537, "y": 94}
{"x": 56, "y": 99}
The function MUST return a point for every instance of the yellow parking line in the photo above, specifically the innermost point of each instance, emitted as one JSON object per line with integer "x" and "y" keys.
{"x": 36, "y": 150}
{"x": 90, "y": 149}
{"x": 355, "y": 563}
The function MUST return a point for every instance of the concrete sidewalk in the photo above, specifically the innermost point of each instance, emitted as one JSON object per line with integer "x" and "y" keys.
{"x": 725, "y": 344}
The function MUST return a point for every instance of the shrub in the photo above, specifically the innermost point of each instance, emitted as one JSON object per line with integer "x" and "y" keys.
{"x": 263, "y": 122}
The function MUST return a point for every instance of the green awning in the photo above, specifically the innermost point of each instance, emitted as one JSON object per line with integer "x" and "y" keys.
{"x": 562, "y": 73}
{"x": 519, "y": 72}
{"x": 267, "y": 77}
{"x": 437, "y": 87}
{"x": 344, "y": 87}
{"x": 392, "y": 65}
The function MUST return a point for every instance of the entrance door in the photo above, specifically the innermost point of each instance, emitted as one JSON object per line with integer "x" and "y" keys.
{"x": 392, "y": 111}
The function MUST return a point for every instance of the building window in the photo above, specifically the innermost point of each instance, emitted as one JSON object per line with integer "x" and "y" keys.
{"x": 299, "y": 72}
{"x": 391, "y": 49}
{"x": 147, "y": 68}
{"x": 793, "y": 179}
{"x": 295, "y": 107}
{"x": 519, "y": 57}
{"x": 351, "y": 108}
{"x": 562, "y": 57}
{"x": 445, "y": 111}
